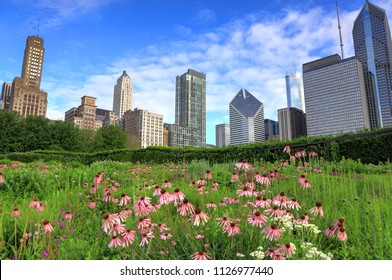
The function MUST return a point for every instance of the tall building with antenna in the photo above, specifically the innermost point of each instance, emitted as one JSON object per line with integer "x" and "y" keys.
{"x": 122, "y": 96}
{"x": 373, "y": 48}
{"x": 26, "y": 96}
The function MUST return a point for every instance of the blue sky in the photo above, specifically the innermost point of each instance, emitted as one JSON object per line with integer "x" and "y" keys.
{"x": 248, "y": 44}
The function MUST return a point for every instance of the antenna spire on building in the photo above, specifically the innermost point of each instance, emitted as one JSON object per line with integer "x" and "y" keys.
{"x": 340, "y": 29}
{"x": 39, "y": 22}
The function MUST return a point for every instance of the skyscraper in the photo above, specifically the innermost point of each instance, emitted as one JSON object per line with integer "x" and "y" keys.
{"x": 26, "y": 96}
{"x": 295, "y": 95}
{"x": 246, "y": 119}
{"x": 122, "y": 96}
{"x": 292, "y": 123}
{"x": 271, "y": 129}
{"x": 373, "y": 48}
{"x": 191, "y": 108}
{"x": 335, "y": 96}
{"x": 5, "y": 96}
{"x": 85, "y": 116}
{"x": 222, "y": 135}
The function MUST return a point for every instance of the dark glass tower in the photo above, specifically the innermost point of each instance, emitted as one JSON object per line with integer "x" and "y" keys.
{"x": 373, "y": 48}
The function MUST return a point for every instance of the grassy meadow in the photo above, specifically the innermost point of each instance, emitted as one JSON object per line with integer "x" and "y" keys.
{"x": 300, "y": 209}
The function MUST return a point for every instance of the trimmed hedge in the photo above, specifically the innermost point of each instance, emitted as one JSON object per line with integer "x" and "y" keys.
{"x": 371, "y": 147}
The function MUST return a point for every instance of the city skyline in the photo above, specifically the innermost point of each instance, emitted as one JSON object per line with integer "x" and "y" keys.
{"x": 226, "y": 43}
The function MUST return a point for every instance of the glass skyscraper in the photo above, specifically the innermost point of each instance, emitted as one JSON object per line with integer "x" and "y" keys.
{"x": 373, "y": 48}
{"x": 295, "y": 96}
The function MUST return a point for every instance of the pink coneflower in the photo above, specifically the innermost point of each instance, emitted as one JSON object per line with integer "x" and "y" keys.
{"x": 124, "y": 199}
{"x": 93, "y": 189}
{"x": 166, "y": 184}
{"x": 261, "y": 202}
{"x": 144, "y": 224}
{"x": 34, "y": 203}
{"x": 142, "y": 206}
{"x": 330, "y": 232}
{"x": 47, "y": 226}
{"x": 272, "y": 232}
{"x": 162, "y": 227}
{"x": 293, "y": 204}
{"x": 286, "y": 149}
{"x": 215, "y": 186}
{"x": 177, "y": 195}
{"x": 192, "y": 184}
{"x": 116, "y": 229}
{"x": 145, "y": 237}
{"x": 15, "y": 212}
{"x": 201, "y": 182}
{"x": 1, "y": 178}
{"x": 243, "y": 165}
{"x": 128, "y": 237}
{"x": 199, "y": 236}
{"x": 303, "y": 219}
{"x": 234, "y": 177}
{"x": 274, "y": 212}
{"x": 257, "y": 219}
{"x": 250, "y": 185}
{"x": 239, "y": 255}
{"x": 338, "y": 223}
{"x": 284, "y": 163}
{"x": 342, "y": 234}
{"x": 166, "y": 235}
{"x": 115, "y": 242}
{"x": 245, "y": 191}
{"x": 211, "y": 205}
{"x": 165, "y": 197}
{"x": 107, "y": 197}
{"x": 199, "y": 217}
{"x": 312, "y": 154}
{"x": 280, "y": 200}
{"x": 98, "y": 179}
{"x": 201, "y": 256}
{"x": 157, "y": 191}
{"x": 222, "y": 203}
{"x": 264, "y": 180}
{"x": 302, "y": 179}
{"x": 92, "y": 204}
{"x": 208, "y": 175}
{"x": 224, "y": 221}
{"x": 287, "y": 250}
{"x": 68, "y": 215}
{"x": 317, "y": 210}
{"x": 232, "y": 229}
{"x": 108, "y": 222}
{"x": 186, "y": 208}
{"x": 39, "y": 207}
{"x": 274, "y": 254}
{"x": 306, "y": 184}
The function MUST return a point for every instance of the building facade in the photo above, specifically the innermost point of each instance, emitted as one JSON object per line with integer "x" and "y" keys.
{"x": 107, "y": 117}
{"x": 294, "y": 91}
{"x": 5, "y": 96}
{"x": 191, "y": 107}
{"x": 122, "y": 96}
{"x": 246, "y": 119}
{"x": 373, "y": 48}
{"x": 26, "y": 96}
{"x": 271, "y": 129}
{"x": 85, "y": 116}
{"x": 222, "y": 135}
{"x": 335, "y": 96}
{"x": 292, "y": 123}
{"x": 147, "y": 126}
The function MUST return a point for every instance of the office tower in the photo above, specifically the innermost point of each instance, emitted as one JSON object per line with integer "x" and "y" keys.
{"x": 122, "y": 96}
{"x": 190, "y": 115}
{"x": 85, "y": 116}
{"x": 271, "y": 129}
{"x": 292, "y": 123}
{"x": 26, "y": 96}
{"x": 222, "y": 135}
{"x": 373, "y": 48}
{"x": 107, "y": 117}
{"x": 335, "y": 96}
{"x": 294, "y": 91}
{"x": 246, "y": 119}
{"x": 147, "y": 126}
{"x": 5, "y": 96}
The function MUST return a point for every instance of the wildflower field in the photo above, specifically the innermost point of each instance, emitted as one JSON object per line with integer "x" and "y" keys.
{"x": 303, "y": 208}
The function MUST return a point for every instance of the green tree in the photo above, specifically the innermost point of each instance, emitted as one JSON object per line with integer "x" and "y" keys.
{"x": 10, "y": 132}
{"x": 133, "y": 141}
{"x": 110, "y": 137}
{"x": 85, "y": 140}
{"x": 35, "y": 133}
{"x": 64, "y": 136}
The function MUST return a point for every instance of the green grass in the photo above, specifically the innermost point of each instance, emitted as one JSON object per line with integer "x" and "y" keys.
{"x": 359, "y": 193}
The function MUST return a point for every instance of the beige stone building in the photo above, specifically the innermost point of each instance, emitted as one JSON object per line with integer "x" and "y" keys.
{"x": 147, "y": 126}
{"x": 26, "y": 96}
{"x": 85, "y": 116}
